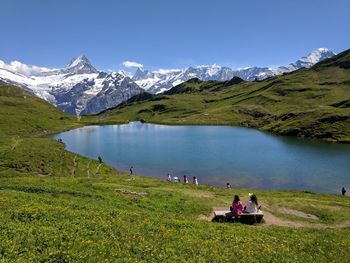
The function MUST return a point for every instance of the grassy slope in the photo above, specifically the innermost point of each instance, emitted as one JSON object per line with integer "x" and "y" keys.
{"x": 309, "y": 102}
{"x": 23, "y": 119}
{"x": 54, "y": 207}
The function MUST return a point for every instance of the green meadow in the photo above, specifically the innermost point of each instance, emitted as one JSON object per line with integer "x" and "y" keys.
{"x": 56, "y": 206}
{"x": 82, "y": 219}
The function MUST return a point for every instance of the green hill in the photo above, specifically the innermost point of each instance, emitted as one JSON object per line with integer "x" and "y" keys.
{"x": 24, "y": 120}
{"x": 312, "y": 103}
{"x": 56, "y": 206}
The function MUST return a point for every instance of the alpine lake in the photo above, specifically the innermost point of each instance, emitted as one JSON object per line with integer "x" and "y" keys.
{"x": 246, "y": 158}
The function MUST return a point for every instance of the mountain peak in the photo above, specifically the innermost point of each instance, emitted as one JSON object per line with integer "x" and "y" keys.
{"x": 323, "y": 49}
{"x": 318, "y": 55}
{"x": 80, "y": 65}
{"x": 341, "y": 60}
{"x": 82, "y": 59}
{"x": 141, "y": 74}
{"x": 139, "y": 71}
{"x": 313, "y": 57}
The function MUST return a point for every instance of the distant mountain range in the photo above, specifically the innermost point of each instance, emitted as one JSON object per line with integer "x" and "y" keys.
{"x": 162, "y": 80}
{"x": 79, "y": 88}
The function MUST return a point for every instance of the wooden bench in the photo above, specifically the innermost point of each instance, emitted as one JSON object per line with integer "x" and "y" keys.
{"x": 246, "y": 218}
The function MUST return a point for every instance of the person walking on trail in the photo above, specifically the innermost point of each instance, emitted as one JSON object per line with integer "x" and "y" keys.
{"x": 99, "y": 159}
{"x": 195, "y": 180}
{"x": 343, "y": 191}
{"x": 228, "y": 185}
{"x": 131, "y": 170}
{"x": 169, "y": 177}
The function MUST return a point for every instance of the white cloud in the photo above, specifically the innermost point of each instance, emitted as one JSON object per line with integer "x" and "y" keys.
{"x": 208, "y": 66}
{"x": 18, "y": 67}
{"x": 132, "y": 64}
{"x": 166, "y": 71}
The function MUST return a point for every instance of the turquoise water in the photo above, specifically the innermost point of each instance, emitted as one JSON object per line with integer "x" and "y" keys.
{"x": 216, "y": 155}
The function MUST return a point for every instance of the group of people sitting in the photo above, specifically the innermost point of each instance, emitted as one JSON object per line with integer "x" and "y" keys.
{"x": 251, "y": 206}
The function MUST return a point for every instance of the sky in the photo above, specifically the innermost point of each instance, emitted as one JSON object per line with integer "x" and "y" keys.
{"x": 170, "y": 34}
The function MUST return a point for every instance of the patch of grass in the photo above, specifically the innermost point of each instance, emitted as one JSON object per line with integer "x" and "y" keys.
{"x": 154, "y": 227}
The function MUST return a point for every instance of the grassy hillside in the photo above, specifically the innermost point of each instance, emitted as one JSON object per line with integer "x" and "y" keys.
{"x": 24, "y": 120}
{"x": 309, "y": 103}
{"x": 56, "y": 206}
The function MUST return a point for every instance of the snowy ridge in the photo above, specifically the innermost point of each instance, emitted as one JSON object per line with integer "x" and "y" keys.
{"x": 164, "y": 79}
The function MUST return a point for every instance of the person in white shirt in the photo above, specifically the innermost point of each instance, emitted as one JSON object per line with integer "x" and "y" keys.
{"x": 252, "y": 205}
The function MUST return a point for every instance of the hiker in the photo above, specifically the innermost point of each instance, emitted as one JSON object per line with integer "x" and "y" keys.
{"x": 195, "y": 180}
{"x": 99, "y": 159}
{"x": 228, "y": 186}
{"x": 343, "y": 191}
{"x": 252, "y": 204}
{"x": 237, "y": 207}
{"x": 169, "y": 177}
{"x": 132, "y": 167}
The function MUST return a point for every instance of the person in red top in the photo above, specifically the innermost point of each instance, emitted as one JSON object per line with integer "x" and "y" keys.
{"x": 237, "y": 206}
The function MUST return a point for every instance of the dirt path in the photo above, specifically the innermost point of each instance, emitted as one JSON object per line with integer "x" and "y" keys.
{"x": 98, "y": 170}
{"x": 88, "y": 169}
{"x": 17, "y": 141}
{"x": 74, "y": 165}
{"x": 272, "y": 220}
{"x": 298, "y": 213}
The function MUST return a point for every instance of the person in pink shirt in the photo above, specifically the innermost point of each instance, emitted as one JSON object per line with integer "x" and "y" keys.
{"x": 237, "y": 206}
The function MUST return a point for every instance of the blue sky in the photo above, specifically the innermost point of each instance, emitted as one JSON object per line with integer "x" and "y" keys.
{"x": 171, "y": 34}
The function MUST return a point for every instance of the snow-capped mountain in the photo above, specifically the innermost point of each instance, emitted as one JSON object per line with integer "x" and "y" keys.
{"x": 116, "y": 88}
{"x": 80, "y": 65}
{"x": 77, "y": 88}
{"x": 313, "y": 58}
{"x": 158, "y": 81}
{"x": 162, "y": 80}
